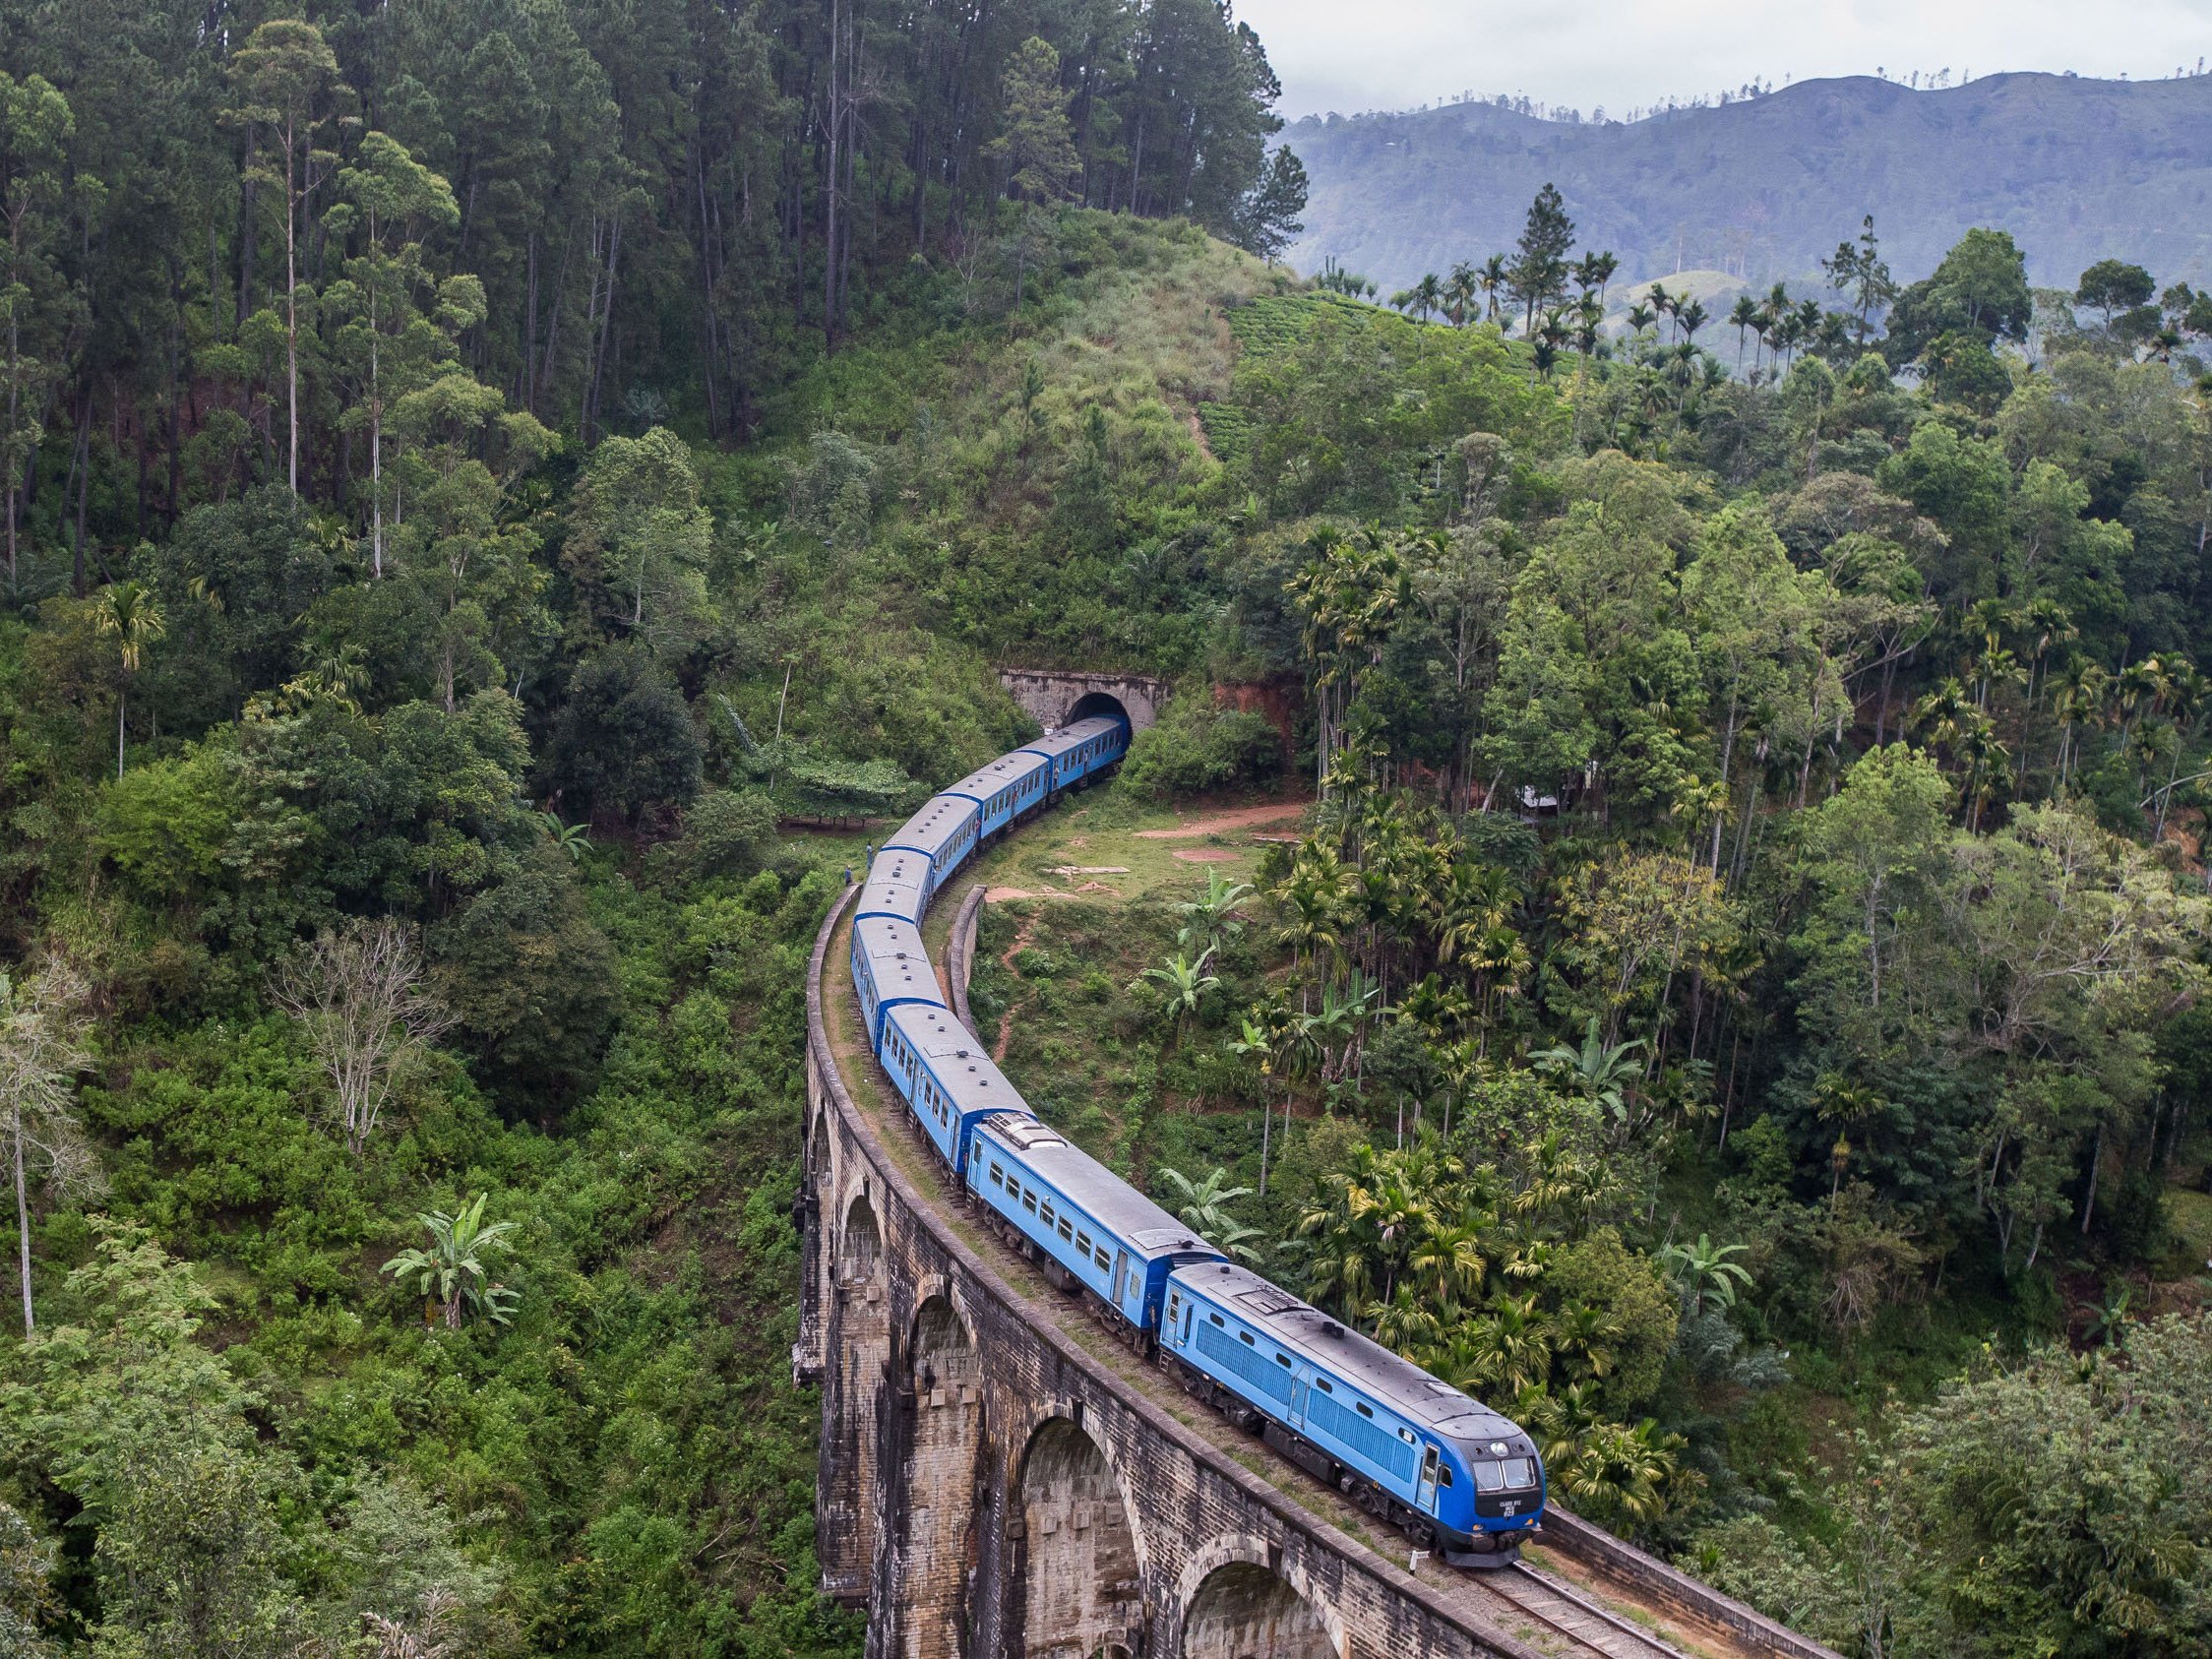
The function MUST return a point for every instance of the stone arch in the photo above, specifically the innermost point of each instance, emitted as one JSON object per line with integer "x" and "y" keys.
{"x": 1243, "y": 1611}
{"x": 860, "y": 1242}
{"x": 944, "y": 1475}
{"x": 849, "y": 1525}
{"x": 1077, "y": 1560}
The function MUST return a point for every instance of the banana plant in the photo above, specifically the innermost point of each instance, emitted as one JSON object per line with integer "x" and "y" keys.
{"x": 454, "y": 1276}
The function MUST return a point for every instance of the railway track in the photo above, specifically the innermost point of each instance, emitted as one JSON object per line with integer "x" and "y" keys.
{"x": 1568, "y": 1613}
{"x": 1546, "y": 1614}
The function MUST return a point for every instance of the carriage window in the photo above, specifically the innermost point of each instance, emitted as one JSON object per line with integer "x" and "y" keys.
{"x": 1245, "y": 1336}
{"x": 1324, "y": 1384}
{"x": 1363, "y": 1408}
{"x": 1444, "y": 1477}
{"x": 1282, "y": 1359}
{"x": 1030, "y": 1201}
{"x": 1217, "y": 1319}
{"x": 1082, "y": 1243}
{"x": 997, "y": 1180}
{"x": 1065, "y": 1231}
{"x": 1102, "y": 1258}
{"x": 1044, "y": 1214}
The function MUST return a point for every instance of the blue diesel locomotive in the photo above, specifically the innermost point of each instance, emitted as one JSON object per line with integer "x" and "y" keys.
{"x": 1413, "y": 1451}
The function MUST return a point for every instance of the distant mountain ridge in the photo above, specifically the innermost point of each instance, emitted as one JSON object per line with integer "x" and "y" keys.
{"x": 2077, "y": 170}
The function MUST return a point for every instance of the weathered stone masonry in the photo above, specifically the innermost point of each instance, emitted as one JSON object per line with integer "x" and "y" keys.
{"x": 991, "y": 1491}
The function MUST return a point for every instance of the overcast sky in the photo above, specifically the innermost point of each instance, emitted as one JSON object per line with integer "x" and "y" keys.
{"x": 1398, "y": 54}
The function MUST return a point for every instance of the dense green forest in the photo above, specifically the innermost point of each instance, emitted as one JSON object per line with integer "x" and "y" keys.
{"x": 483, "y": 477}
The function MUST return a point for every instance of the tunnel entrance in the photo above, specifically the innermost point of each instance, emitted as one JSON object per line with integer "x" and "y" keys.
{"x": 1076, "y": 1558}
{"x": 1242, "y": 1610}
{"x": 1094, "y": 705}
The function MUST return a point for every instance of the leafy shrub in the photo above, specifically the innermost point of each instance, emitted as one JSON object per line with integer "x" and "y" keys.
{"x": 727, "y": 832}
{"x": 626, "y": 741}
{"x": 533, "y": 982}
{"x": 1196, "y": 747}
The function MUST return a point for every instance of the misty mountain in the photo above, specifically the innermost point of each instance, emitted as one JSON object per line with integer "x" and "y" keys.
{"x": 2076, "y": 169}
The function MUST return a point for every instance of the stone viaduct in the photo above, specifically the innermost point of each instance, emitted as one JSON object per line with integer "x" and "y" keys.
{"x": 990, "y": 1487}
{"x": 997, "y": 1480}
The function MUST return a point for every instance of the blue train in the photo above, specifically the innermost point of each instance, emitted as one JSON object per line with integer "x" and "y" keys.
{"x": 1413, "y": 1451}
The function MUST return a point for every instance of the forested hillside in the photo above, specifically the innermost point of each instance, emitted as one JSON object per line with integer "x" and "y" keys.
{"x": 2076, "y": 171}
{"x": 472, "y": 471}
{"x": 492, "y": 485}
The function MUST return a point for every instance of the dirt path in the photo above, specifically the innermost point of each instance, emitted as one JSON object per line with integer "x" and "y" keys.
{"x": 1006, "y": 961}
{"x": 1214, "y": 824}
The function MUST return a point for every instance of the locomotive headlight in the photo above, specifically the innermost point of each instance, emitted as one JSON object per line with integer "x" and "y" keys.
{"x": 1497, "y": 1449}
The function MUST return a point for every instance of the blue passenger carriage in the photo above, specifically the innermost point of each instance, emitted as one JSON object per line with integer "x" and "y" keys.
{"x": 890, "y": 967}
{"x": 1080, "y": 750}
{"x": 943, "y": 832}
{"x": 1009, "y": 787}
{"x": 1356, "y": 1414}
{"x": 1081, "y": 1216}
{"x": 938, "y": 1065}
{"x": 897, "y": 886}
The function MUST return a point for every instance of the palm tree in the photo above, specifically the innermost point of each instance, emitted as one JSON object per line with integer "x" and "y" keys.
{"x": 1428, "y": 295}
{"x": 1553, "y": 332}
{"x": 1508, "y": 1346}
{"x": 1202, "y": 1207}
{"x": 1692, "y": 317}
{"x": 2080, "y": 694}
{"x": 1313, "y": 898}
{"x": 1640, "y": 317}
{"x": 2188, "y": 697}
{"x": 2049, "y": 625}
{"x": 1986, "y": 769}
{"x": 1406, "y": 1322}
{"x": 1619, "y": 1472}
{"x": 1492, "y": 279}
{"x": 1265, "y": 1042}
{"x": 1586, "y": 1334}
{"x": 1589, "y": 324}
{"x": 1602, "y": 266}
{"x": 2138, "y": 689}
{"x": 131, "y": 613}
{"x": 1459, "y": 292}
{"x": 1744, "y": 318}
{"x": 1452, "y": 1260}
{"x": 1849, "y": 1106}
{"x": 452, "y": 1276}
{"x": 1703, "y": 1269}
